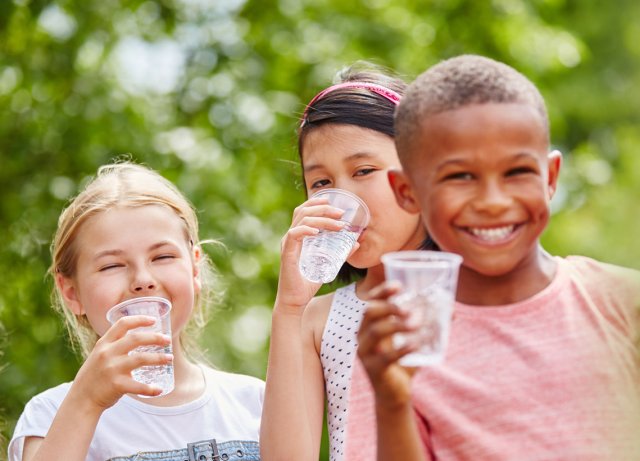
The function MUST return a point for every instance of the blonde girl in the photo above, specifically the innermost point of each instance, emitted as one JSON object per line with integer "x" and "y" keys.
{"x": 131, "y": 233}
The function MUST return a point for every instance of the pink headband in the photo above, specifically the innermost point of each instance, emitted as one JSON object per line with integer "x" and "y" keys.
{"x": 374, "y": 87}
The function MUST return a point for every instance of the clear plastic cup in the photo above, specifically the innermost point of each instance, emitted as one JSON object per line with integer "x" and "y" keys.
{"x": 160, "y": 309}
{"x": 324, "y": 254}
{"x": 429, "y": 280}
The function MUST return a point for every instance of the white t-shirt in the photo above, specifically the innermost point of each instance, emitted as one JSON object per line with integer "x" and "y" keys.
{"x": 229, "y": 409}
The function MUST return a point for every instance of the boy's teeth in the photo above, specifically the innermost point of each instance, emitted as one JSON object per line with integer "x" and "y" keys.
{"x": 495, "y": 233}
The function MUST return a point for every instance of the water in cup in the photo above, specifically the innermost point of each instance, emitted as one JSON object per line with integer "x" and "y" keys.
{"x": 159, "y": 308}
{"x": 429, "y": 310}
{"x": 429, "y": 280}
{"x": 158, "y": 375}
{"x": 323, "y": 255}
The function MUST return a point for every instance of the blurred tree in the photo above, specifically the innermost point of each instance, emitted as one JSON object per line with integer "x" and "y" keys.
{"x": 209, "y": 93}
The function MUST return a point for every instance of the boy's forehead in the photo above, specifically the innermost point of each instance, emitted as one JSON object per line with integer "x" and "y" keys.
{"x": 476, "y": 125}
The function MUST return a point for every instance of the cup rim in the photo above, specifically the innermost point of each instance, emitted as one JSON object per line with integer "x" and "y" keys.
{"x": 138, "y": 299}
{"x": 420, "y": 256}
{"x": 336, "y": 190}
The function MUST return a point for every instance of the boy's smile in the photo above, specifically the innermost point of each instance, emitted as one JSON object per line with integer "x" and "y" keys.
{"x": 482, "y": 177}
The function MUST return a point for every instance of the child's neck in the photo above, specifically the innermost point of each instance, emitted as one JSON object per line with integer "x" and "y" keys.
{"x": 374, "y": 277}
{"x": 524, "y": 281}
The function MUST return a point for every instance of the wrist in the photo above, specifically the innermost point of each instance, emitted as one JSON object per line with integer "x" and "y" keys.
{"x": 83, "y": 404}
{"x": 288, "y": 309}
{"x": 393, "y": 403}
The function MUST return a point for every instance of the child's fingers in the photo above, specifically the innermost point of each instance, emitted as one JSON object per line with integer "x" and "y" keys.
{"x": 135, "y": 387}
{"x": 311, "y": 226}
{"x": 384, "y": 357}
{"x": 125, "y": 324}
{"x": 323, "y": 223}
{"x": 375, "y": 337}
{"x": 315, "y": 210}
{"x": 377, "y": 310}
{"x": 382, "y": 329}
{"x": 383, "y": 291}
{"x": 291, "y": 241}
{"x": 146, "y": 359}
{"x": 136, "y": 339}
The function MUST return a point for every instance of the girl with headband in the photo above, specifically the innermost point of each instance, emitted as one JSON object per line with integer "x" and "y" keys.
{"x": 345, "y": 141}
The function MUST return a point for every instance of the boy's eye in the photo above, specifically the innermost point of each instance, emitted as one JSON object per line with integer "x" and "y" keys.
{"x": 520, "y": 170}
{"x": 461, "y": 175}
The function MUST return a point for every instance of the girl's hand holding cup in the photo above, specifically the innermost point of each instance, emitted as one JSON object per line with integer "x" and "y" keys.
{"x": 323, "y": 254}
{"x": 311, "y": 217}
{"x": 106, "y": 375}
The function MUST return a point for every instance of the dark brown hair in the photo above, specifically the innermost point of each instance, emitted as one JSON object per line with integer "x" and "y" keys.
{"x": 458, "y": 82}
{"x": 354, "y": 106}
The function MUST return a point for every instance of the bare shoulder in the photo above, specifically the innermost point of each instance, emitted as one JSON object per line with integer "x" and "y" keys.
{"x": 315, "y": 317}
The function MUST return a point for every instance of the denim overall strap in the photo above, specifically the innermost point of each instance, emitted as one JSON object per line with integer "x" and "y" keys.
{"x": 206, "y": 450}
{"x": 239, "y": 450}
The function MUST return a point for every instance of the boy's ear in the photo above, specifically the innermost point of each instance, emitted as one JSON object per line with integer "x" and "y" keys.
{"x": 554, "y": 163}
{"x": 402, "y": 190}
{"x": 69, "y": 292}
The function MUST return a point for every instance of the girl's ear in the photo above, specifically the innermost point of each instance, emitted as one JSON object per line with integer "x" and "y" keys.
{"x": 555, "y": 162}
{"x": 403, "y": 192}
{"x": 197, "y": 257}
{"x": 67, "y": 288}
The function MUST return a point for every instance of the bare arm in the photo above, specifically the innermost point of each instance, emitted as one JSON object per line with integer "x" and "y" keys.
{"x": 101, "y": 381}
{"x": 70, "y": 434}
{"x": 397, "y": 431}
{"x": 398, "y": 436}
{"x": 293, "y": 408}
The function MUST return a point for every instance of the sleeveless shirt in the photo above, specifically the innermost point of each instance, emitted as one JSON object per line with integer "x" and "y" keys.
{"x": 337, "y": 354}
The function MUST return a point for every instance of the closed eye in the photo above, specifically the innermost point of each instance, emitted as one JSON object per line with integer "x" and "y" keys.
{"x": 108, "y": 267}
{"x": 164, "y": 257}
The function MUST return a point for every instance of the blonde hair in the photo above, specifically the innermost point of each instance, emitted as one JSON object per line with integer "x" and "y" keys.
{"x": 129, "y": 185}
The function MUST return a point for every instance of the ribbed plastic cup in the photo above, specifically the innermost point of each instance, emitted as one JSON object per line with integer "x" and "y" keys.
{"x": 160, "y": 309}
{"x": 324, "y": 254}
{"x": 429, "y": 280}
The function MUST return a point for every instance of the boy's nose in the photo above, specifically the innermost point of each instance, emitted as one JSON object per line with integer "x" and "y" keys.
{"x": 492, "y": 199}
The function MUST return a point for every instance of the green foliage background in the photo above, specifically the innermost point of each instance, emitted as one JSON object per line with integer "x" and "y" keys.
{"x": 209, "y": 93}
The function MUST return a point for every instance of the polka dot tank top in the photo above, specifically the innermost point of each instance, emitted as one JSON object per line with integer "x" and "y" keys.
{"x": 337, "y": 353}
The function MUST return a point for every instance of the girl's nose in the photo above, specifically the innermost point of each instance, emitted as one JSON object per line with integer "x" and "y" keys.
{"x": 144, "y": 286}
{"x": 143, "y": 282}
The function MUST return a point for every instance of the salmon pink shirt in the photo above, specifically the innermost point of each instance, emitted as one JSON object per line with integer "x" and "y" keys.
{"x": 554, "y": 377}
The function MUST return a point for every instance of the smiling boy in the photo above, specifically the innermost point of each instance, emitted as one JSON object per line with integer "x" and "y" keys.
{"x": 542, "y": 361}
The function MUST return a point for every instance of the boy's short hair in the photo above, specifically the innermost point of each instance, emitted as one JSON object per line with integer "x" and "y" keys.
{"x": 458, "y": 82}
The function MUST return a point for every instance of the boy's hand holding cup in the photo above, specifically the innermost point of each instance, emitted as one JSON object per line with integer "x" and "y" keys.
{"x": 429, "y": 280}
